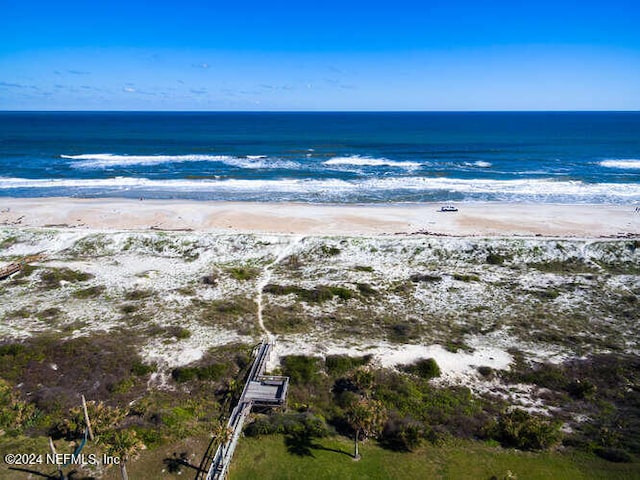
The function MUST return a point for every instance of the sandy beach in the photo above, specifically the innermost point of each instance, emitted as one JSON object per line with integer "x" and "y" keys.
{"x": 472, "y": 219}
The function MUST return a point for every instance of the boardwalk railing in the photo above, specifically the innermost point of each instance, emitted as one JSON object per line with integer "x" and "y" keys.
{"x": 258, "y": 390}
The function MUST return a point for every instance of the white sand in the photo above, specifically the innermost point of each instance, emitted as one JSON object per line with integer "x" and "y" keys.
{"x": 486, "y": 219}
{"x": 89, "y": 216}
{"x": 456, "y": 367}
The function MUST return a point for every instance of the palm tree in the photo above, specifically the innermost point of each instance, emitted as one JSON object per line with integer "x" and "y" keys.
{"x": 366, "y": 417}
{"x": 222, "y": 434}
{"x": 363, "y": 379}
{"x": 122, "y": 444}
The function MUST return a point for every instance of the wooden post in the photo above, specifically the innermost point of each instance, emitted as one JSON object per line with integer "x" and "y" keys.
{"x": 53, "y": 450}
{"x": 86, "y": 418}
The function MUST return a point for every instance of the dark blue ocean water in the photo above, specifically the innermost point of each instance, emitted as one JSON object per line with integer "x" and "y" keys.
{"x": 324, "y": 157}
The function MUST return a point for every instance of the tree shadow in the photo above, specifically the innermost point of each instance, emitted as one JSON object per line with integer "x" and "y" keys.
{"x": 176, "y": 462}
{"x": 302, "y": 445}
{"x": 334, "y": 450}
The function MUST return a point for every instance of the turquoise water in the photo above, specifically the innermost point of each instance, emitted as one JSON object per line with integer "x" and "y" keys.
{"x": 587, "y": 157}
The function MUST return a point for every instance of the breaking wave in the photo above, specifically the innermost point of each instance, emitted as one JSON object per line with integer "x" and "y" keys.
{"x": 479, "y": 164}
{"x": 391, "y": 188}
{"x": 622, "y": 163}
{"x": 108, "y": 160}
{"x": 361, "y": 161}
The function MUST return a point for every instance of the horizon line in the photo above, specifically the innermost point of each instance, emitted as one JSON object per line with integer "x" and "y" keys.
{"x": 316, "y": 111}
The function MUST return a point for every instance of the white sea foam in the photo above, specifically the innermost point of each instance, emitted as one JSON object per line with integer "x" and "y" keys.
{"x": 109, "y": 160}
{"x": 260, "y": 162}
{"x": 622, "y": 163}
{"x": 479, "y": 163}
{"x": 539, "y": 188}
{"x": 360, "y": 161}
{"x": 126, "y": 183}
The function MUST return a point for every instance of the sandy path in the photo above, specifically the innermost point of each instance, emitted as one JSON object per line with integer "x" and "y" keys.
{"x": 265, "y": 278}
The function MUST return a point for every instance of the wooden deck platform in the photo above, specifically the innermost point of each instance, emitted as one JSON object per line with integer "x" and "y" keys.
{"x": 261, "y": 391}
{"x": 267, "y": 391}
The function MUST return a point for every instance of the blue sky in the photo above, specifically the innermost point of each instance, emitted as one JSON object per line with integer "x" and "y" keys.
{"x": 329, "y": 55}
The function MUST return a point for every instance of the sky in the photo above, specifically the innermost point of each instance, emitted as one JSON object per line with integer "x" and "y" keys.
{"x": 320, "y": 55}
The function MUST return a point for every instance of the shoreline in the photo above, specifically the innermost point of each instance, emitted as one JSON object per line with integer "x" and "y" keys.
{"x": 472, "y": 219}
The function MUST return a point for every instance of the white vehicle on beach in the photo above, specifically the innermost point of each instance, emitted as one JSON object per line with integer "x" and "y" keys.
{"x": 448, "y": 208}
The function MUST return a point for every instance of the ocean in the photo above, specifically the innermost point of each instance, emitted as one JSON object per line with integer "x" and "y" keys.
{"x": 548, "y": 157}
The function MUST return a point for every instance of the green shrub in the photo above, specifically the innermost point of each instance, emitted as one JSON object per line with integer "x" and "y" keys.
{"x": 24, "y": 272}
{"x": 424, "y": 277}
{"x": 12, "y": 349}
{"x": 366, "y": 290}
{"x": 53, "y": 277}
{"x": 137, "y": 295}
{"x": 306, "y": 423}
{"x": 319, "y": 294}
{"x": 103, "y": 418}
{"x": 179, "y": 333}
{"x": 340, "y": 364}
{"x": 128, "y": 308}
{"x": 300, "y": 369}
{"x": 403, "y": 332}
{"x": 363, "y": 268}
{"x": 454, "y": 346}
{"x": 23, "y": 312}
{"x": 525, "y": 431}
{"x": 15, "y": 414}
{"x": 546, "y": 375}
{"x": 495, "y": 259}
{"x": 140, "y": 369}
{"x": 424, "y": 368}
{"x": 212, "y": 372}
{"x": 571, "y": 265}
{"x": 90, "y": 292}
{"x": 330, "y": 251}
{"x": 243, "y": 273}
{"x": 237, "y": 306}
{"x": 545, "y": 293}
{"x": 289, "y": 319}
{"x": 49, "y": 313}
{"x": 581, "y": 389}
{"x": 122, "y": 386}
{"x": 403, "y": 434}
{"x": 466, "y": 277}
{"x": 402, "y": 288}
{"x": 293, "y": 262}
{"x": 211, "y": 279}
{"x": 184, "y": 374}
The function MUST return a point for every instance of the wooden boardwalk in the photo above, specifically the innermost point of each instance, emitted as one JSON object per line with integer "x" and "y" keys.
{"x": 10, "y": 269}
{"x": 259, "y": 390}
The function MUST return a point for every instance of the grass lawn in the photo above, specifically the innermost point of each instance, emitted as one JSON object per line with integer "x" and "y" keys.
{"x": 270, "y": 457}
